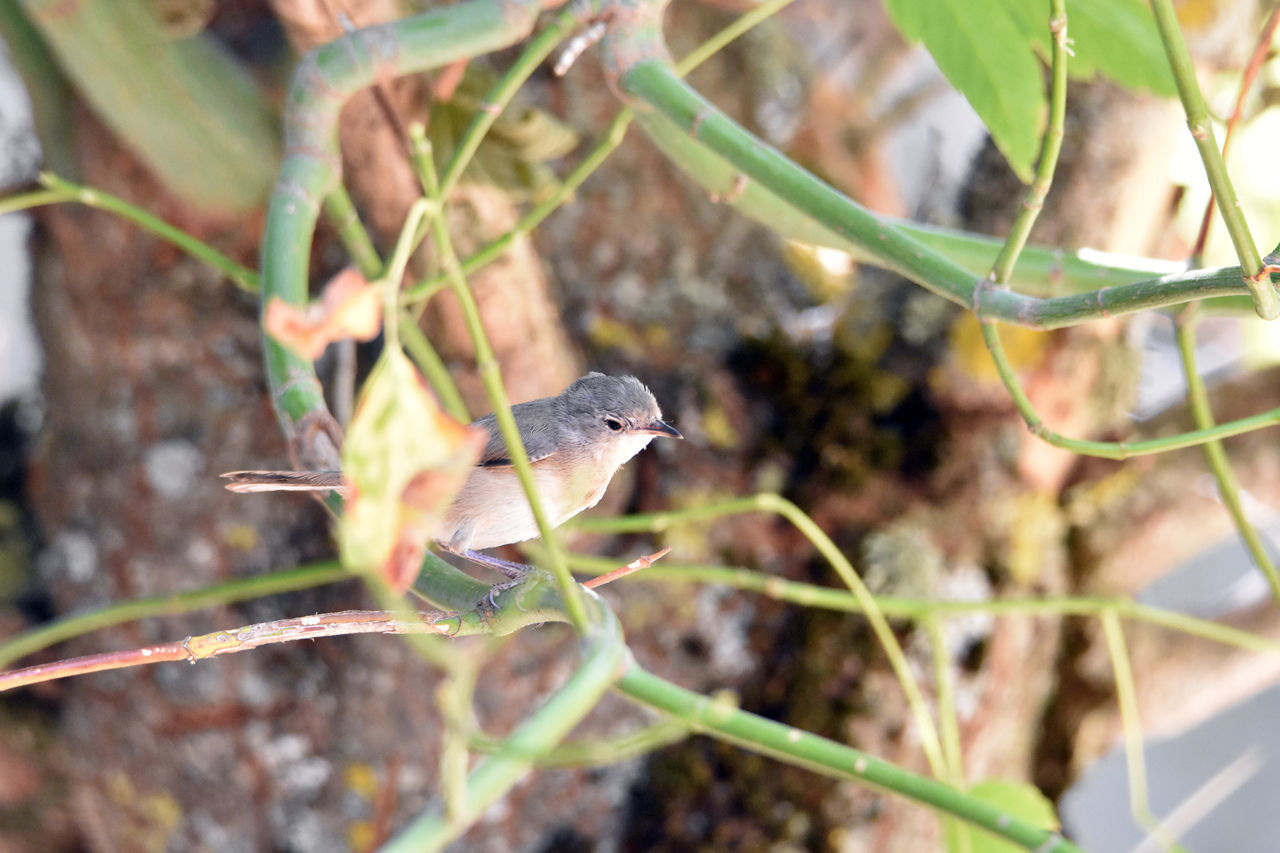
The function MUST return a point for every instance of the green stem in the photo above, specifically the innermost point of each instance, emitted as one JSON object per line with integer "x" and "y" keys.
{"x": 503, "y": 91}
{"x": 1111, "y": 449}
{"x": 489, "y": 253}
{"x": 1216, "y": 455}
{"x": 58, "y": 190}
{"x": 603, "y": 659}
{"x": 687, "y": 126}
{"x": 778, "y": 505}
{"x": 69, "y": 627}
{"x": 342, "y": 215}
{"x": 491, "y": 377}
{"x": 610, "y": 140}
{"x": 1265, "y": 300}
{"x": 325, "y": 78}
{"x": 803, "y": 749}
{"x": 948, "y": 719}
{"x": 810, "y": 595}
{"x": 28, "y": 200}
{"x": 928, "y": 734}
{"x": 447, "y": 588}
{"x": 1131, "y": 724}
{"x": 1050, "y": 147}
{"x": 418, "y": 211}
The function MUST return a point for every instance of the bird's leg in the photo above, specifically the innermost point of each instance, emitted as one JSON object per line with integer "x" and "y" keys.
{"x": 515, "y": 571}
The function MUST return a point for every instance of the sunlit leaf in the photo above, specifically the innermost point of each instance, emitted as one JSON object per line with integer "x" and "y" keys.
{"x": 981, "y": 48}
{"x": 349, "y": 308}
{"x": 403, "y": 459}
{"x": 1020, "y": 800}
{"x": 1115, "y": 38}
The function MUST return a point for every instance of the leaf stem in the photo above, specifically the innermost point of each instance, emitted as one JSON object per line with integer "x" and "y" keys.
{"x": 778, "y": 505}
{"x": 1265, "y": 300}
{"x": 69, "y": 627}
{"x": 604, "y": 656}
{"x": 1216, "y": 455}
{"x": 58, "y": 190}
{"x": 490, "y": 375}
{"x": 804, "y": 749}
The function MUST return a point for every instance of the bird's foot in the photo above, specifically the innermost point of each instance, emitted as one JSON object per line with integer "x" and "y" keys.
{"x": 497, "y": 589}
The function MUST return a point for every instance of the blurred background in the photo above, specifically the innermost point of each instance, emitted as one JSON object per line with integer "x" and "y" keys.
{"x": 864, "y": 399}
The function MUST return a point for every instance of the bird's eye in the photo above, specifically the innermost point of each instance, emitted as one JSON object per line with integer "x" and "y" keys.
{"x": 613, "y": 424}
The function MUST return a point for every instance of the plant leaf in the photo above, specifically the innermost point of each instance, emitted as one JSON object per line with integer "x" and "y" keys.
{"x": 1021, "y": 800}
{"x": 982, "y": 49}
{"x": 1115, "y": 38}
{"x": 349, "y": 308}
{"x": 186, "y": 107}
{"x": 404, "y": 459}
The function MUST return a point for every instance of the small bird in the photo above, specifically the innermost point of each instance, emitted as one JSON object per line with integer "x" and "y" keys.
{"x": 576, "y": 441}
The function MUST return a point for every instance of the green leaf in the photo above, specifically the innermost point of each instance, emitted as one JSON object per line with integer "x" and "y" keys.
{"x": 1020, "y": 800}
{"x": 514, "y": 155}
{"x": 1115, "y": 38}
{"x": 403, "y": 461}
{"x": 982, "y": 49}
{"x": 187, "y": 108}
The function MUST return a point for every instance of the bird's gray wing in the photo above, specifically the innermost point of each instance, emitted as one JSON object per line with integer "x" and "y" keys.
{"x": 538, "y": 427}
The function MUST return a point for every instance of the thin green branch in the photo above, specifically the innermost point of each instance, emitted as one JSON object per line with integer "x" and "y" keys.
{"x": 69, "y": 627}
{"x": 1131, "y": 724}
{"x": 1266, "y": 302}
{"x": 493, "y": 250}
{"x": 803, "y": 749}
{"x": 534, "y": 54}
{"x": 421, "y": 210}
{"x": 1216, "y": 455}
{"x": 910, "y": 609}
{"x": 1112, "y": 449}
{"x": 324, "y": 79}
{"x": 604, "y": 656}
{"x": 491, "y": 377}
{"x": 601, "y": 751}
{"x": 928, "y": 734}
{"x": 1050, "y": 147}
{"x": 29, "y": 200}
{"x": 609, "y": 141}
{"x": 455, "y": 697}
{"x": 58, "y": 190}
{"x": 778, "y": 505}
{"x": 766, "y": 185}
{"x": 342, "y": 215}
{"x": 944, "y": 686}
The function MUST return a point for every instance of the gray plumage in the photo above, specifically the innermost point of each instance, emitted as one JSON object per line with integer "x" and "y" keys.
{"x": 576, "y": 441}
{"x": 577, "y": 414}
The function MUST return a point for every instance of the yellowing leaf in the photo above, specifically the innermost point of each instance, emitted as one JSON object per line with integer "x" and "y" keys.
{"x": 404, "y": 459}
{"x": 349, "y": 308}
{"x": 1020, "y": 800}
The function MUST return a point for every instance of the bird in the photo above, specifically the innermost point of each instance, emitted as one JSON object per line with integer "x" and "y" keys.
{"x": 576, "y": 441}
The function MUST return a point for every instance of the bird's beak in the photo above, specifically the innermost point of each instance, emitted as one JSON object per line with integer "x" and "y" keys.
{"x": 660, "y": 428}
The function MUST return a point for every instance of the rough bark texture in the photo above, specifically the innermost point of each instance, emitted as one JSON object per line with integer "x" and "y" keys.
{"x": 863, "y": 407}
